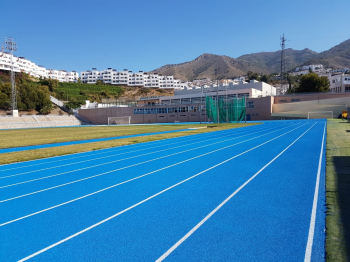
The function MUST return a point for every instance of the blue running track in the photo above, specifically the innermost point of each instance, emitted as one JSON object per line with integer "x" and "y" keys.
{"x": 248, "y": 194}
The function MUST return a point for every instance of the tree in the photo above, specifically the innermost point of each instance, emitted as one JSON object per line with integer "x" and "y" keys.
{"x": 265, "y": 78}
{"x": 30, "y": 95}
{"x": 99, "y": 82}
{"x": 51, "y": 83}
{"x": 253, "y": 76}
{"x": 313, "y": 83}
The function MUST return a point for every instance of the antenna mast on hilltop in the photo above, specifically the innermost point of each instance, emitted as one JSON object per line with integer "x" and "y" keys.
{"x": 11, "y": 46}
{"x": 283, "y": 59}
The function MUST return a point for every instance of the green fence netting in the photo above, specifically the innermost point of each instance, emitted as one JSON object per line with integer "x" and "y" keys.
{"x": 232, "y": 110}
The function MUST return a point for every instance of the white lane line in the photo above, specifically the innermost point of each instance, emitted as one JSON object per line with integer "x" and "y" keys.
{"x": 104, "y": 189}
{"x": 137, "y": 204}
{"x": 310, "y": 238}
{"x": 178, "y": 243}
{"x": 107, "y": 163}
{"x": 118, "y": 154}
{"x": 112, "y": 150}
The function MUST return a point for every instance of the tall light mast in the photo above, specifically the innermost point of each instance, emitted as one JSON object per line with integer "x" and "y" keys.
{"x": 283, "y": 59}
{"x": 11, "y": 46}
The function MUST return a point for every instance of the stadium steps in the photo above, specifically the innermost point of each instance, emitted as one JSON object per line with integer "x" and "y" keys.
{"x": 38, "y": 121}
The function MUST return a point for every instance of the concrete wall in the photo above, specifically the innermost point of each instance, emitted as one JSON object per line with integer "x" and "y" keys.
{"x": 262, "y": 108}
{"x": 301, "y": 109}
{"x": 307, "y": 97}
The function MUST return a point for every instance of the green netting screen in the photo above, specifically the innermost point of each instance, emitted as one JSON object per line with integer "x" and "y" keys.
{"x": 232, "y": 110}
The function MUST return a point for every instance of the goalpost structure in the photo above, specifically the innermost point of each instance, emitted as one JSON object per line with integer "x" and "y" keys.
{"x": 120, "y": 120}
{"x": 319, "y": 114}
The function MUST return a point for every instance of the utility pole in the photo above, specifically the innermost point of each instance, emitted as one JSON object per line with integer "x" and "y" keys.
{"x": 283, "y": 59}
{"x": 11, "y": 46}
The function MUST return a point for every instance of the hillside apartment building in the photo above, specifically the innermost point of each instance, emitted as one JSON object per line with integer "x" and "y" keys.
{"x": 21, "y": 64}
{"x": 128, "y": 78}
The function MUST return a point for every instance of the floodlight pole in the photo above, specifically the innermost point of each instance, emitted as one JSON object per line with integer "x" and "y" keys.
{"x": 11, "y": 46}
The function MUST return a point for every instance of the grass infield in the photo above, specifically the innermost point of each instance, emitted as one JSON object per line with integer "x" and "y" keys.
{"x": 338, "y": 191}
{"x": 27, "y": 137}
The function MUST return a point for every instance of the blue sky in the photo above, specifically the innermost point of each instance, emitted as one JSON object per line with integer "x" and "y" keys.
{"x": 144, "y": 35}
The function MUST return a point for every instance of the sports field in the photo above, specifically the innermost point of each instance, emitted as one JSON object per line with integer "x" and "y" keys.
{"x": 248, "y": 194}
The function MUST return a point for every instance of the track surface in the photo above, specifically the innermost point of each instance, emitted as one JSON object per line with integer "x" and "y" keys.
{"x": 248, "y": 194}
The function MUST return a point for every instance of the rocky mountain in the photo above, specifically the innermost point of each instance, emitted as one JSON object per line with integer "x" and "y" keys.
{"x": 271, "y": 61}
{"x": 219, "y": 67}
{"x": 209, "y": 66}
{"x": 336, "y": 57}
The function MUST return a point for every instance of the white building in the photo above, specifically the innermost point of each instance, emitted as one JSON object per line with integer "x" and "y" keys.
{"x": 312, "y": 67}
{"x": 128, "y": 78}
{"x": 21, "y": 64}
{"x": 339, "y": 83}
{"x": 195, "y": 94}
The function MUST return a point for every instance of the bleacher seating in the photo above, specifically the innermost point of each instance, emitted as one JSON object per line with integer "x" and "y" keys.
{"x": 27, "y": 121}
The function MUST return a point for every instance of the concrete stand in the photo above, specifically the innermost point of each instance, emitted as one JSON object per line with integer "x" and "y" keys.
{"x": 14, "y": 113}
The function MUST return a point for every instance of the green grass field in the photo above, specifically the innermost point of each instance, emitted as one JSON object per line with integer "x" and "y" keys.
{"x": 338, "y": 191}
{"x": 39, "y": 136}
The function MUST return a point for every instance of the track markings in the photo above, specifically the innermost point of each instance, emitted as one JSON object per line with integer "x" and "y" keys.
{"x": 177, "y": 244}
{"x": 310, "y": 238}
{"x": 147, "y": 199}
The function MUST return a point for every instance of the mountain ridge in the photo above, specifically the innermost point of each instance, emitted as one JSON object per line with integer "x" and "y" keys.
{"x": 221, "y": 66}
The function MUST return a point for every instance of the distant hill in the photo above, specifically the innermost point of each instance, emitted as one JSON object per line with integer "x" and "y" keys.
{"x": 336, "y": 57}
{"x": 209, "y": 66}
{"x": 219, "y": 67}
{"x": 271, "y": 61}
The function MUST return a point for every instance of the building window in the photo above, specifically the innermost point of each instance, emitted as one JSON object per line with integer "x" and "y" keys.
{"x": 250, "y": 104}
{"x": 295, "y": 100}
{"x": 183, "y": 109}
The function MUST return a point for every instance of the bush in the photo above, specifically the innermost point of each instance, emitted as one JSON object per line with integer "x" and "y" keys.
{"x": 30, "y": 95}
{"x": 74, "y": 104}
{"x": 46, "y": 110}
